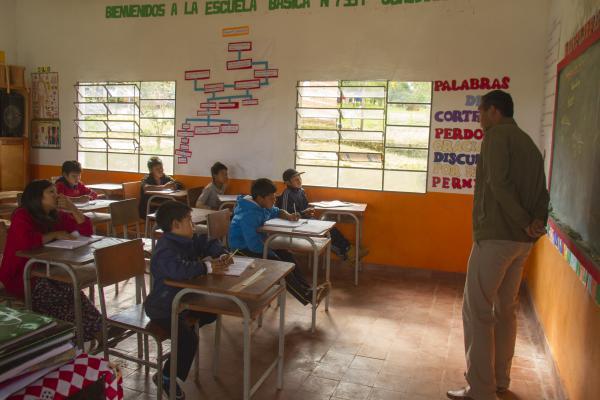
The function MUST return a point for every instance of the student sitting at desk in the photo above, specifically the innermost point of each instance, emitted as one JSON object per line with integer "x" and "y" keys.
{"x": 45, "y": 216}
{"x": 251, "y": 212}
{"x": 70, "y": 183}
{"x": 294, "y": 200}
{"x": 178, "y": 256}
{"x": 155, "y": 180}
{"x": 210, "y": 194}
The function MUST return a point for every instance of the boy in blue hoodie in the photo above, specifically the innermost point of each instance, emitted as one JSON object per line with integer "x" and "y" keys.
{"x": 178, "y": 255}
{"x": 250, "y": 213}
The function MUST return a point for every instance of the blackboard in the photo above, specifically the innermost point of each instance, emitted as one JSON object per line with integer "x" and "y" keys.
{"x": 575, "y": 173}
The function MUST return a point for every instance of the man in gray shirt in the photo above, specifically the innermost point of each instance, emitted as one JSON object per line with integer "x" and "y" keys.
{"x": 510, "y": 208}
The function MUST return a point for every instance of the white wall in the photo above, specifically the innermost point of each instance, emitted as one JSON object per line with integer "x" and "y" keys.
{"x": 452, "y": 39}
{"x": 8, "y": 29}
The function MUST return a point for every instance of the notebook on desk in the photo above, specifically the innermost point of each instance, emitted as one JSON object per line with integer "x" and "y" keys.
{"x": 72, "y": 244}
{"x": 284, "y": 223}
{"x": 239, "y": 266}
{"x": 331, "y": 204}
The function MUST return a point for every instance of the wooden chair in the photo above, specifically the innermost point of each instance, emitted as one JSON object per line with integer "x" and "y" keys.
{"x": 131, "y": 190}
{"x": 124, "y": 214}
{"x": 4, "y": 296}
{"x": 119, "y": 263}
{"x": 218, "y": 225}
{"x": 193, "y": 194}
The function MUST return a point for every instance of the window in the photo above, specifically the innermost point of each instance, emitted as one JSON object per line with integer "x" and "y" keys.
{"x": 364, "y": 134}
{"x": 120, "y": 125}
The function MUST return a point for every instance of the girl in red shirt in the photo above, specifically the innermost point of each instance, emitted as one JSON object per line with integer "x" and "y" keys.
{"x": 44, "y": 216}
{"x": 70, "y": 183}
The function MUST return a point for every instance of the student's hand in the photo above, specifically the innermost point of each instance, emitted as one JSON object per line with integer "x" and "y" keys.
{"x": 221, "y": 265}
{"x": 309, "y": 212}
{"x": 171, "y": 185}
{"x": 62, "y": 235}
{"x": 82, "y": 199}
{"x": 292, "y": 217}
{"x": 536, "y": 229}
{"x": 65, "y": 204}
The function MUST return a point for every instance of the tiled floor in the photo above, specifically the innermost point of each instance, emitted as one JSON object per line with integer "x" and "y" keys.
{"x": 396, "y": 336}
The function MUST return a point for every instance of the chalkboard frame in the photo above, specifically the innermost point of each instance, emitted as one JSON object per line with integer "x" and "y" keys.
{"x": 582, "y": 255}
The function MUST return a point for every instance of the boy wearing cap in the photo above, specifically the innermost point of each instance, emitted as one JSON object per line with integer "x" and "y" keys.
{"x": 294, "y": 200}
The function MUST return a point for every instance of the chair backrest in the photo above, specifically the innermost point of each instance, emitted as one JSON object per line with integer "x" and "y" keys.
{"x": 125, "y": 213}
{"x": 193, "y": 194}
{"x": 19, "y": 198}
{"x": 131, "y": 190}
{"x": 3, "y": 233}
{"x": 218, "y": 224}
{"x": 119, "y": 262}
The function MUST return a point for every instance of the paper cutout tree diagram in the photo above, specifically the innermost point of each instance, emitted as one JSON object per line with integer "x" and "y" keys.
{"x": 223, "y": 97}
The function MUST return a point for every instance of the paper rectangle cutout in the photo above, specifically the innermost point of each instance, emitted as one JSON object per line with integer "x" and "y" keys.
{"x": 210, "y": 104}
{"x": 214, "y": 87}
{"x": 206, "y": 130}
{"x": 230, "y": 128}
{"x": 247, "y": 84}
{"x": 183, "y": 153}
{"x": 186, "y": 133}
{"x": 185, "y": 140}
{"x": 266, "y": 73}
{"x": 197, "y": 74}
{"x": 182, "y": 160}
{"x": 233, "y": 31}
{"x": 250, "y": 102}
{"x": 239, "y": 46}
{"x": 204, "y": 113}
{"x": 229, "y": 104}
{"x": 245, "y": 63}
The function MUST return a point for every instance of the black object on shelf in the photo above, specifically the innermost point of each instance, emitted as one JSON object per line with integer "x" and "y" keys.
{"x": 12, "y": 114}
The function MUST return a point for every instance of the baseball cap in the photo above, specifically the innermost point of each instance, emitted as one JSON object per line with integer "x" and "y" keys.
{"x": 290, "y": 173}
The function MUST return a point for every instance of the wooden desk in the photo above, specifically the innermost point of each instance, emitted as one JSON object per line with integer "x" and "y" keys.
{"x": 220, "y": 295}
{"x": 227, "y": 200}
{"x": 10, "y": 196}
{"x": 199, "y": 216}
{"x": 68, "y": 261}
{"x": 356, "y": 212}
{"x": 95, "y": 205}
{"x": 109, "y": 189}
{"x": 316, "y": 248}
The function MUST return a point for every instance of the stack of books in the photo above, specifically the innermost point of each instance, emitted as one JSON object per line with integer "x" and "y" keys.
{"x": 31, "y": 346}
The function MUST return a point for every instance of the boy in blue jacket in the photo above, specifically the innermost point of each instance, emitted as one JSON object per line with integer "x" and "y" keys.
{"x": 178, "y": 255}
{"x": 250, "y": 213}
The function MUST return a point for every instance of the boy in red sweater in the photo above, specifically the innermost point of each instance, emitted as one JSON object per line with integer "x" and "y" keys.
{"x": 70, "y": 183}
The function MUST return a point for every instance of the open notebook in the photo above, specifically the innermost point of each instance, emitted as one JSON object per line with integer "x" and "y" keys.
{"x": 284, "y": 223}
{"x": 331, "y": 204}
{"x": 77, "y": 242}
{"x": 239, "y": 266}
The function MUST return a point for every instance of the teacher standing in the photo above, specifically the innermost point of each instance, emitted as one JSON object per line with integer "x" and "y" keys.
{"x": 510, "y": 209}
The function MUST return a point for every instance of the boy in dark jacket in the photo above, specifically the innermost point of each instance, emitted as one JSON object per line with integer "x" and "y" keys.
{"x": 293, "y": 199}
{"x": 250, "y": 213}
{"x": 178, "y": 256}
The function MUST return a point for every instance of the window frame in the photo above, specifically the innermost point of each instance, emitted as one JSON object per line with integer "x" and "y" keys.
{"x": 137, "y": 121}
{"x": 385, "y": 147}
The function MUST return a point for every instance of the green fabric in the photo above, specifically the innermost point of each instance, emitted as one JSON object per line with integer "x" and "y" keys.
{"x": 510, "y": 187}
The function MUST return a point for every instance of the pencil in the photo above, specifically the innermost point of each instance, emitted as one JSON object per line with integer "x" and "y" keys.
{"x": 233, "y": 254}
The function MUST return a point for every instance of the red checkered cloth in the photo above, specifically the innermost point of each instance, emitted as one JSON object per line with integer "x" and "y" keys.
{"x": 72, "y": 377}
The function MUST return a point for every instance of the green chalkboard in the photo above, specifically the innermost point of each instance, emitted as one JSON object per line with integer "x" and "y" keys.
{"x": 575, "y": 176}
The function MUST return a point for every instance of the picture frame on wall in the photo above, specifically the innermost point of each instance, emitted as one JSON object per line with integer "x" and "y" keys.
{"x": 45, "y": 134}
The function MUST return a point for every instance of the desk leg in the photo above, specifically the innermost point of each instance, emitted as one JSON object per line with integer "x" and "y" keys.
{"x": 328, "y": 274}
{"x": 27, "y": 282}
{"x": 217, "y": 349}
{"x": 281, "y": 336}
{"x": 247, "y": 356}
{"x": 315, "y": 284}
{"x": 357, "y": 249}
{"x": 174, "y": 344}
